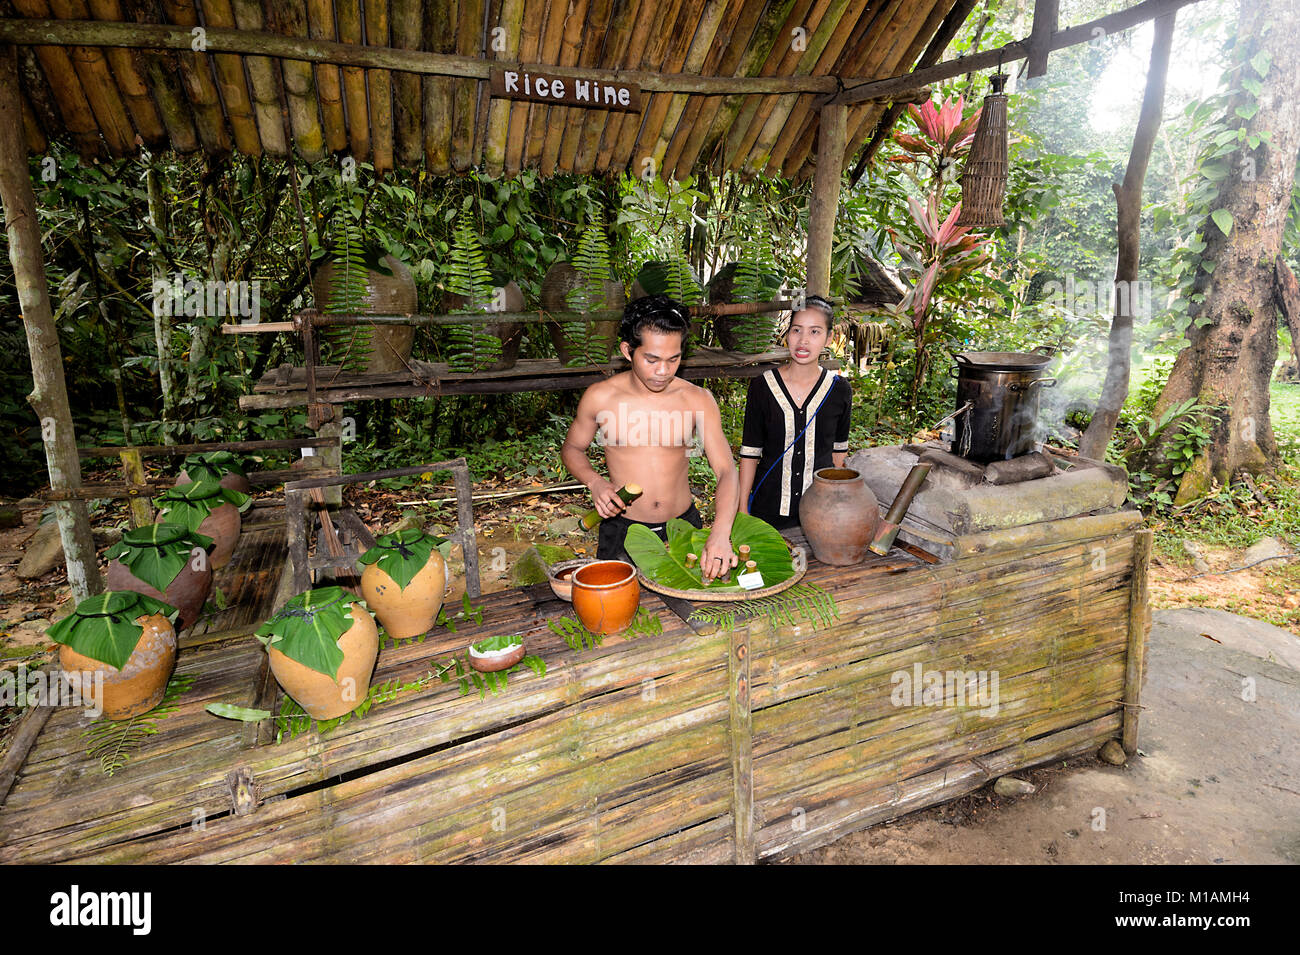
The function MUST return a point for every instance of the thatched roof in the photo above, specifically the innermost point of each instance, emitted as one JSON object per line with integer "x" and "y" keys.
{"x": 391, "y": 81}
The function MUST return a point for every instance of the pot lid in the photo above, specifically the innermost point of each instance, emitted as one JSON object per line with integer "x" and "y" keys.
{"x": 1001, "y": 360}
{"x": 155, "y": 535}
{"x": 194, "y": 491}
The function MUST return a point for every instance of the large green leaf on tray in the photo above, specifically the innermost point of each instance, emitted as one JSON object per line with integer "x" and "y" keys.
{"x": 666, "y": 565}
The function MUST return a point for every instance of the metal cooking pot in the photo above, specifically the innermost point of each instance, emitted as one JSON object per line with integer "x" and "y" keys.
{"x": 1002, "y": 391}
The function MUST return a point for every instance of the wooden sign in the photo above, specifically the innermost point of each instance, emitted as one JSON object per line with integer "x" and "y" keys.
{"x": 566, "y": 90}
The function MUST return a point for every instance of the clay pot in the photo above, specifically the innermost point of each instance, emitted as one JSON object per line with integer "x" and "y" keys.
{"x": 222, "y": 525}
{"x": 839, "y": 515}
{"x": 141, "y": 683}
{"x": 560, "y": 577}
{"x": 606, "y": 595}
{"x": 187, "y": 592}
{"x": 655, "y": 279}
{"x": 561, "y": 279}
{"x": 411, "y": 611}
{"x": 236, "y": 482}
{"x": 496, "y": 660}
{"x": 385, "y": 348}
{"x": 322, "y": 697}
{"x": 511, "y": 334}
{"x": 721, "y": 292}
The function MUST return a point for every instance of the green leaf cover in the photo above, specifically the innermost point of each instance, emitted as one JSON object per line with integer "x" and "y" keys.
{"x": 103, "y": 627}
{"x": 190, "y": 504}
{"x": 502, "y": 642}
{"x": 212, "y": 466}
{"x": 308, "y": 627}
{"x": 158, "y": 552}
{"x": 403, "y": 554}
{"x": 666, "y": 565}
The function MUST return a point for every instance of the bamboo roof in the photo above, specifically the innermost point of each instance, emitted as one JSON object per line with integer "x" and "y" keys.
{"x": 392, "y": 81}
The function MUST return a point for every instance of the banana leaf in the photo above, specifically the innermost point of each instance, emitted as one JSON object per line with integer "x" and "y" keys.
{"x": 308, "y": 627}
{"x": 103, "y": 627}
{"x": 666, "y": 564}
{"x": 403, "y": 554}
{"x": 156, "y": 553}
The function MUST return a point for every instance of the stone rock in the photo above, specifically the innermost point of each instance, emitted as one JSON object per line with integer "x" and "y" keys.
{"x": 563, "y": 527}
{"x": 43, "y": 552}
{"x": 1113, "y": 753}
{"x": 1010, "y": 786}
{"x": 10, "y": 516}
{"x": 530, "y": 568}
{"x": 1264, "y": 549}
{"x": 1193, "y": 550}
{"x": 107, "y": 536}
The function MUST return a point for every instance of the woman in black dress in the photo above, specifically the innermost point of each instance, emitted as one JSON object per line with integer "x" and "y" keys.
{"x": 796, "y": 422}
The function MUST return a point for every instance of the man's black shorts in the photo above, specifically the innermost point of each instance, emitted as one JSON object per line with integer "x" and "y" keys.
{"x": 613, "y": 531}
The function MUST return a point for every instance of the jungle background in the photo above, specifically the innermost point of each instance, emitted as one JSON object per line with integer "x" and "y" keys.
{"x": 111, "y": 228}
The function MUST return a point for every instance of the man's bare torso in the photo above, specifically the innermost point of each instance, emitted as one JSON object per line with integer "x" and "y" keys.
{"x": 646, "y": 438}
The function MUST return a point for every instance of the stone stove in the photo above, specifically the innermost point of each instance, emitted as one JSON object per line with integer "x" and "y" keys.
{"x": 958, "y": 508}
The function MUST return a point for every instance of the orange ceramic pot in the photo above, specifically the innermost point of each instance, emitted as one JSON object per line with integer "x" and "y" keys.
{"x": 322, "y": 697}
{"x": 839, "y": 515}
{"x": 606, "y": 595}
{"x": 411, "y": 611}
{"x": 139, "y": 686}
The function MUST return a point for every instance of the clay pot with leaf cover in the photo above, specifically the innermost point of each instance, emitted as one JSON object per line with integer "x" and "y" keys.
{"x": 405, "y": 580}
{"x": 127, "y": 638}
{"x": 209, "y": 509}
{"x": 322, "y": 646}
{"x": 167, "y": 562}
{"x": 220, "y": 466}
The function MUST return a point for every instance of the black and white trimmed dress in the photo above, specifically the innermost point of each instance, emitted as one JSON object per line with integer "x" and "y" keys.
{"x": 772, "y": 420}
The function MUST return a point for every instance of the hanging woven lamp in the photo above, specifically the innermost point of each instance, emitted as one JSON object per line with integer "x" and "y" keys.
{"x": 984, "y": 180}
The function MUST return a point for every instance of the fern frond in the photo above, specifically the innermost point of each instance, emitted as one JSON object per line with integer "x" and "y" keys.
{"x": 113, "y": 742}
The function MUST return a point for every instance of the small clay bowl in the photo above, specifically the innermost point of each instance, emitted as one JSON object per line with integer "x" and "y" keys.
{"x": 561, "y": 576}
{"x": 494, "y": 660}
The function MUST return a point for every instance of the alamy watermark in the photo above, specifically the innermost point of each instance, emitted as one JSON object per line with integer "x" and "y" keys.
{"x": 75, "y": 688}
{"x": 627, "y": 426}
{"x": 918, "y": 687}
{"x": 183, "y": 296}
{"x": 1084, "y": 297}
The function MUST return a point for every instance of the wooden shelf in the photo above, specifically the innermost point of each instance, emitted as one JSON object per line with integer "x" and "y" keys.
{"x": 286, "y": 386}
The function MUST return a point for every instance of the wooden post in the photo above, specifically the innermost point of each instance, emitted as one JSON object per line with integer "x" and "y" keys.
{"x": 1040, "y": 37}
{"x": 468, "y": 539}
{"x": 1135, "y": 662}
{"x": 49, "y": 397}
{"x": 831, "y": 134}
{"x": 133, "y": 471}
{"x": 742, "y": 738}
{"x": 332, "y": 455}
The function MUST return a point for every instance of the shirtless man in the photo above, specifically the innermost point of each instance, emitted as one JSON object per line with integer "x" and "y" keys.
{"x": 645, "y": 418}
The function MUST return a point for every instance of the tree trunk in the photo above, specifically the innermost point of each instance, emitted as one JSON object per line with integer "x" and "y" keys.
{"x": 1128, "y": 206}
{"x": 49, "y": 397}
{"x": 1229, "y": 363}
{"x": 1288, "y": 302}
{"x": 162, "y": 323}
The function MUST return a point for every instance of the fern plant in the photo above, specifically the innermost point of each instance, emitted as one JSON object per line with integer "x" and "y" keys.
{"x": 586, "y": 343}
{"x": 349, "y": 347}
{"x": 471, "y": 347}
{"x": 756, "y": 280}
{"x": 113, "y": 742}
{"x": 808, "y": 601}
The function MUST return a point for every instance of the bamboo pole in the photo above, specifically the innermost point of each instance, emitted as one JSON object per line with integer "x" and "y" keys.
{"x": 569, "y": 134}
{"x": 129, "y": 72}
{"x": 133, "y": 471}
{"x": 348, "y": 15}
{"x": 96, "y": 80}
{"x": 498, "y": 120}
{"x": 407, "y": 19}
{"x": 262, "y": 84}
{"x": 741, "y": 725}
{"x": 591, "y": 123}
{"x": 329, "y": 83}
{"x": 230, "y": 79}
{"x": 825, "y": 198}
{"x": 289, "y": 18}
{"x": 704, "y": 50}
{"x": 609, "y": 126}
{"x": 622, "y": 134}
{"x": 549, "y": 52}
{"x": 738, "y": 136}
{"x": 590, "y": 19}
{"x": 49, "y": 396}
{"x": 380, "y": 86}
{"x": 56, "y": 65}
{"x": 465, "y": 100}
{"x": 1138, "y": 627}
{"x": 641, "y": 158}
{"x": 36, "y": 141}
{"x": 196, "y": 77}
{"x": 440, "y": 37}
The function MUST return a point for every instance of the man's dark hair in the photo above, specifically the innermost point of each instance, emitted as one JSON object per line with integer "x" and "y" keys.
{"x": 652, "y": 311}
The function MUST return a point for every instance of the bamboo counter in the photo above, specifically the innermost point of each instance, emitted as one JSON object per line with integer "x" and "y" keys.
{"x": 687, "y": 746}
